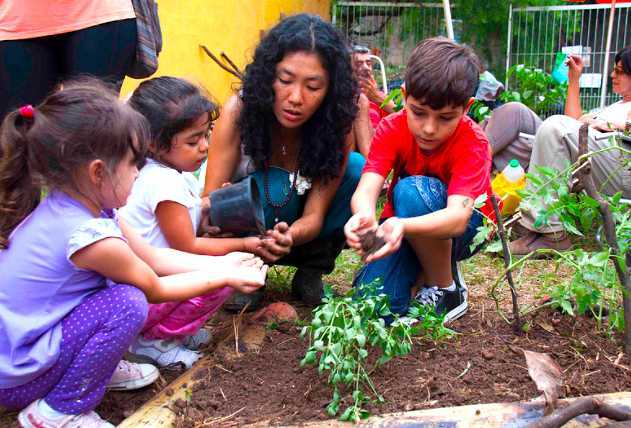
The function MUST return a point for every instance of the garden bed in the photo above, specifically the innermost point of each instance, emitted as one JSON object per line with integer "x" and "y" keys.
{"x": 483, "y": 363}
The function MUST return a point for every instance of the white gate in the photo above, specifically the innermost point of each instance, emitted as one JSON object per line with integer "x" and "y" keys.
{"x": 392, "y": 29}
{"x": 536, "y": 34}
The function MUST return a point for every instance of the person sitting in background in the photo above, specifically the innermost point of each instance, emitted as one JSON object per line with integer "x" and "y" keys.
{"x": 556, "y": 145}
{"x": 362, "y": 67}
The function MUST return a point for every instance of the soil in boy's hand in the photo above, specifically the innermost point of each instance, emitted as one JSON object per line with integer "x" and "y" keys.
{"x": 370, "y": 242}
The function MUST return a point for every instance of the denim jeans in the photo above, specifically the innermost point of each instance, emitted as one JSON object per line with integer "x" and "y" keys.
{"x": 396, "y": 274}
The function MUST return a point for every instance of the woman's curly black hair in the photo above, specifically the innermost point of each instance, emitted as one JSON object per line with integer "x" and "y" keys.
{"x": 323, "y": 134}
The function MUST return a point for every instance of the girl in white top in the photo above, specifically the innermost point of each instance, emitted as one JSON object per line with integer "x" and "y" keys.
{"x": 166, "y": 209}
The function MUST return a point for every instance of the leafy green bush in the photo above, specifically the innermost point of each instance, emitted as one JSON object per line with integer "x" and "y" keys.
{"x": 535, "y": 88}
{"x": 345, "y": 328}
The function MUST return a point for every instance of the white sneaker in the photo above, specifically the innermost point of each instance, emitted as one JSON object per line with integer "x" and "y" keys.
{"x": 33, "y": 417}
{"x": 129, "y": 376}
{"x": 198, "y": 340}
{"x": 162, "y": 353}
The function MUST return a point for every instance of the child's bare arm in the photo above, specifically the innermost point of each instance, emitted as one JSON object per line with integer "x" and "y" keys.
{"x": 449, "y": 222}
{"x": 166, "y": 261}
{"x": 114, "y": 259}
{"x": 175, "y": 223}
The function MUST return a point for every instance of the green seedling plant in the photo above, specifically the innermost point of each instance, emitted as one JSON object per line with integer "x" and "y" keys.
{"x": 343, "y": 331}
{"x": 593, "y": 288}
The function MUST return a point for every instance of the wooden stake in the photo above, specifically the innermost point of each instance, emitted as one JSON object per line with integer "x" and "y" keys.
{"x": 507, "y": 261}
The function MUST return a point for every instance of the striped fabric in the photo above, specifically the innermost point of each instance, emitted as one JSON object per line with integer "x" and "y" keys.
{"x": 149, "y": 38}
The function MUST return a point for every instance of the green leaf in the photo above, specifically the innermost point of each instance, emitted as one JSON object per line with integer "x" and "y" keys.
{"x": 309, "y": 358}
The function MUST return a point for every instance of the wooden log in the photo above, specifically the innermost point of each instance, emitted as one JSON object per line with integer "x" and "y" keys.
{"x": 495, "y": 415}
{"x": 156, "y": 413}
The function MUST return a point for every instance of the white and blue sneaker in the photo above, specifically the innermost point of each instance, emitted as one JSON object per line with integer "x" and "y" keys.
{"x": 162, "y": 353}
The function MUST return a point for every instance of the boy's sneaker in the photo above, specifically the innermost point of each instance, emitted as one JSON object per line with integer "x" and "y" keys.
{"x": 33, "y": 417}
{"x": 129, "y": 376}
{"x": 198, "y": 340}
{"x": 459, "y": 279}
{"x": 453, "y": 304}
{"x": 162, "y": 353}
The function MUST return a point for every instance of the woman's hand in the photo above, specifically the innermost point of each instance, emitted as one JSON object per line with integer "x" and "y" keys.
{"x": 276, "y": 243}
{"x": 391, "y": 231}
{"x": 575, "y": 67}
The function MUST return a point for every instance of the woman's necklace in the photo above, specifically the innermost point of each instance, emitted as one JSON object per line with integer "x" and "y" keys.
{"x": 282, "y": 204}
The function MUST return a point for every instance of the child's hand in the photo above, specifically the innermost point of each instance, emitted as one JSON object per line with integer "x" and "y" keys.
{"x": 276, "y": 243}
{"x": 237, "y": 259}
{"x": 357, "y": 225}
{"x": 391, "y": 231}
{"x": 249, "y": 277}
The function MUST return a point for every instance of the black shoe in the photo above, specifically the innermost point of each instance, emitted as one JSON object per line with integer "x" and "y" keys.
{"x": 238, "y": 301}
{"x": 453, "y": 304}
{"x": 307, "y": 286}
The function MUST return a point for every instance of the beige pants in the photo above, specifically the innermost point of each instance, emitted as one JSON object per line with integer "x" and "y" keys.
{"x": 556, "y": 146}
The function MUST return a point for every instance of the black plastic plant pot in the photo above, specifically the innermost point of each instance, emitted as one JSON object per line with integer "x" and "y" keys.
{"x": 237, "y": 208}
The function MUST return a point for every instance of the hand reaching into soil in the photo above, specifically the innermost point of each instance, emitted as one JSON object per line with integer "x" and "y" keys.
{"x": 276, "y": 243}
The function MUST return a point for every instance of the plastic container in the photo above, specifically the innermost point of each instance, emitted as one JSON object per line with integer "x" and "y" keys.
{"x": 237, "y": 208}
{"x": 506, "y": 184}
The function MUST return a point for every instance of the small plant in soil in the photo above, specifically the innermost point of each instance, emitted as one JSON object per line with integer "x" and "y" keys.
{"x": 597, "y": 285}
{"x": 343, "y": 331}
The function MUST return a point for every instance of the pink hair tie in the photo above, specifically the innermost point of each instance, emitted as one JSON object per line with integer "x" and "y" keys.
{"x": 26, "y": 111}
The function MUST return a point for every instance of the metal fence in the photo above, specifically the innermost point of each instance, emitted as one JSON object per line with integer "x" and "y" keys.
{"x": 392, "y": 29}
{"x": 536, "y": 34}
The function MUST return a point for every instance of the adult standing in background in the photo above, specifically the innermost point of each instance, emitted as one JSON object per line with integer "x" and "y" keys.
{"x": 43, "y": 42}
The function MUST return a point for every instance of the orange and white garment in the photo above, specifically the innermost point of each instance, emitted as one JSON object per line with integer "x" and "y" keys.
{"x": 28, "y": 19}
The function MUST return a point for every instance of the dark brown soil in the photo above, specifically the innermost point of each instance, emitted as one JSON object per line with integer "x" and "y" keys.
{"x": 481, "y": 365}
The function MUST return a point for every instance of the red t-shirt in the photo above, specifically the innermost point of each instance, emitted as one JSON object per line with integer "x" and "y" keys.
{"x": 375, "y": 113}
{"x": 463, "y": 162}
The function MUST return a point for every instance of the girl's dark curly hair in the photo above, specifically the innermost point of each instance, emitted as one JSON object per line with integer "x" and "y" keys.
{"x": 322, "y": 149}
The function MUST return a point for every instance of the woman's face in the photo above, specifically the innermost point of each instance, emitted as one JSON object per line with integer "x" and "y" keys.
{"x": 620, "y": 81}
{"x": 299, "y": 88}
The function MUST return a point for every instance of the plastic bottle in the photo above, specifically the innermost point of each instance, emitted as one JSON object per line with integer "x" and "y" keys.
{"x": 506, "y": 184}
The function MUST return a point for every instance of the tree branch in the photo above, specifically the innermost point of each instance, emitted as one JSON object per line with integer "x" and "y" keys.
{"x": 590, "y": 405}
{"x": 235, "y": 72}
{"x": 507, "y": 262}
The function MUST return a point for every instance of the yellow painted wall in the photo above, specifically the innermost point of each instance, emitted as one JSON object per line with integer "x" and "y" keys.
{"x": 231, "y": 26}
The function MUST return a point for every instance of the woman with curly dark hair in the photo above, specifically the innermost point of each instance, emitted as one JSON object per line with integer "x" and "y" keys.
{"x": 288, "y": 128}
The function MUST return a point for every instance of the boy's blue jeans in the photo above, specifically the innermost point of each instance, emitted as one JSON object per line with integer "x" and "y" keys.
{"x": 412, "y": 197}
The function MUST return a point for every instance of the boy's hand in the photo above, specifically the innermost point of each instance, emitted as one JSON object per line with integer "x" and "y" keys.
{"x": 357, "y": 225}
{"x": 276, "y": 243}
{"x": 391, "y": 231}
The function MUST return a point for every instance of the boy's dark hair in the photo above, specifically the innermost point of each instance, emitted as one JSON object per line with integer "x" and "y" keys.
{"x": 323, "y": 134}
{"x": 624, "y": 57}
{"x": 171, "y": 105}
{"x": 73, "y": 126}
{"x": 441, "y": 72}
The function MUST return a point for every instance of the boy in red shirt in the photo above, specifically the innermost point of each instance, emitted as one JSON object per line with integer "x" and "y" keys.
{"x": 441, "y": 162}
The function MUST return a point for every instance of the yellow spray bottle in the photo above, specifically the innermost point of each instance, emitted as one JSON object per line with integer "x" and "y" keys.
{"x": 506, "y": 184}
